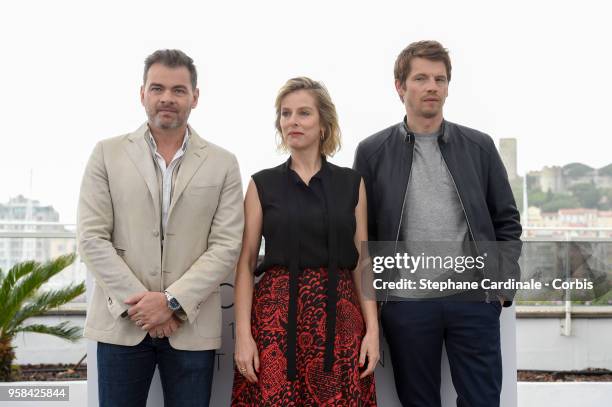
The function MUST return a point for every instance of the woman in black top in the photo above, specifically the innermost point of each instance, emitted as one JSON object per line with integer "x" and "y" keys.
{"x": 305, "y": 334}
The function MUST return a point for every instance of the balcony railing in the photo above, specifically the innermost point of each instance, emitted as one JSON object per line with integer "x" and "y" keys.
{"x": 50, "y": 239}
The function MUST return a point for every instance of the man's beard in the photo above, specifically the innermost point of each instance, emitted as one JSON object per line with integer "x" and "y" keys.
{"x": 430, "y": 114}
{"x": 174, "y": 124}
{"x": 156, "y": 120}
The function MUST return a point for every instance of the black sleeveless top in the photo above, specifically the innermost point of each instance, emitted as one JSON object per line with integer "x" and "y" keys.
{"x": 311, "y": 213}
{"x": 309, "y": 226}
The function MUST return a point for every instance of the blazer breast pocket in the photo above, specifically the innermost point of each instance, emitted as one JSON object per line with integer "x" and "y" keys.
{"x": 201, "y": 201}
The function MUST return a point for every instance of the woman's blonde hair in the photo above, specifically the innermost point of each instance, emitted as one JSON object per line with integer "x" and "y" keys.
{"x": 327, "y": 113}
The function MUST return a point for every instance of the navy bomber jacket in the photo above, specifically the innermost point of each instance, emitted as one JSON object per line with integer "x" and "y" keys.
{"x": 384, "y": 160}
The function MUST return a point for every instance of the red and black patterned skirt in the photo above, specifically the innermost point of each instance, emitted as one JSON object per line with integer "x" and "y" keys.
{"x": 313, "y": 386}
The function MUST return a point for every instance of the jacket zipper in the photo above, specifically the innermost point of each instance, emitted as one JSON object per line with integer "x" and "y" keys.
{"x": 399, "y": 226}
{"x": 467, "y": 220}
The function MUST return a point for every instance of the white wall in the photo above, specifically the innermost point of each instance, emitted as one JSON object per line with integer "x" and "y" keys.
{"x": 583, "y": 394}
{"x": 542, "y": 347}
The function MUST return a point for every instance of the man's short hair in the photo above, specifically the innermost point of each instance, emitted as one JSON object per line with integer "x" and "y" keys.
{"x": 172, "y": 58}
{"x": 431, "y": 50}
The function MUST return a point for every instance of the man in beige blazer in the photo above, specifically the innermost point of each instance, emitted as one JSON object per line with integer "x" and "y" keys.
{"x": 160, "y": 222}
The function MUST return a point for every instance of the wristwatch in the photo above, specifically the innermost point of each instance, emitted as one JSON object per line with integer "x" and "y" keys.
{"x": 172, "y": 302}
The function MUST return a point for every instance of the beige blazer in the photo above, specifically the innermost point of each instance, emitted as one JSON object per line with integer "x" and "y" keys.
{"x": 118, "y": 231}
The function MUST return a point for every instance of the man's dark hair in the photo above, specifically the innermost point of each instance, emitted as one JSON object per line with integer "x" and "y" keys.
{"x": 172, "y": 58}
{"x": 431, "y": 50}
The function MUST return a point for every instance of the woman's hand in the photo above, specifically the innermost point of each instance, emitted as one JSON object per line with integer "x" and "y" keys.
{"x": 247, "y": 357}
{"x": 369, "y": 348}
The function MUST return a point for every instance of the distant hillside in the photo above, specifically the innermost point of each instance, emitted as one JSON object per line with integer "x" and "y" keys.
{"x": 607, "y": 170}
{"x": 576, "y": 170}
{"x": 576, "y": 185}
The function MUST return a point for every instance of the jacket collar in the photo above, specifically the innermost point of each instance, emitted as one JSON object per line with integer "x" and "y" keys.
{"x": 194, "y": 140}
{"x": 408, "y": 135}
{"x": 139, "y": 151}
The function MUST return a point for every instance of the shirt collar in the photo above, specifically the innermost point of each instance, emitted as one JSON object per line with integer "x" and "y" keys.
{"x": 323, "y": 172}
{"x": 153, "y": 144}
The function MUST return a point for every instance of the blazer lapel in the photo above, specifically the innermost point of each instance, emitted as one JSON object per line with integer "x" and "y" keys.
{"x": 195, "y": 155}
{"x": 140, "y": 153}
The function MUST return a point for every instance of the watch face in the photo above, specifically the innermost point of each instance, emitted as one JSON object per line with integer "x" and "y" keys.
{"x": 174, "y": 304}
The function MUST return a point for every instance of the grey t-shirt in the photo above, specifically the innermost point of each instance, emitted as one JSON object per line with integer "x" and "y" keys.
{"x": 432, "y": 212}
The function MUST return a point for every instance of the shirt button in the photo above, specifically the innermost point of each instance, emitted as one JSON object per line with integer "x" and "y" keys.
{"x": 110, "y": 301}
{"x": 156, "y": 233}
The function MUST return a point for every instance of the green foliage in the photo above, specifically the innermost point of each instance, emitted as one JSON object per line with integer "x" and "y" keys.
{"x": 537, "y": 198}
{"x": 560, "y": 201}
{"x": 605, "y": 299}
{"x": 584, "y": 195}
{"x": 587, "y": 194}
{"x": 549, "y": 202}
{"x": 605, "y": 201}
{"x": 61, "y": 330}
{"x": 21, "y": 299}
{"x": 517, "y": 191}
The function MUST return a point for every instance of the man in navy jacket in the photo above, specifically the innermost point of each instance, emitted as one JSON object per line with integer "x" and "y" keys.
{"x": 430, "y": 180}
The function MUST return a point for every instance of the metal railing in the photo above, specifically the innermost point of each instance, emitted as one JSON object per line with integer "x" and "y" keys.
{"x": 52, "y": 230}
{"x": 566, "y": 234}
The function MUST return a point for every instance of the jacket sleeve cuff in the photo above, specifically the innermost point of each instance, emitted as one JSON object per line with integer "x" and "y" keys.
{"x": 181, "y": 314}
{"x": 189, "y": 309}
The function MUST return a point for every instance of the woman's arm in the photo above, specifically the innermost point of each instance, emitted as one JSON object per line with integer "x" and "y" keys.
{"x": 246, "y": 355}
{"x": 361, "y": 275}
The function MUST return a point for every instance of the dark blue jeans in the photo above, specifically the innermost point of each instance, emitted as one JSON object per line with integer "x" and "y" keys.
{"x": 416, "y": 332}
{"x": 125, "y": 374}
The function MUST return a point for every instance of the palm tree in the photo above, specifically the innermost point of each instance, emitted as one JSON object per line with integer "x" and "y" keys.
{"x": 21, "y": 298}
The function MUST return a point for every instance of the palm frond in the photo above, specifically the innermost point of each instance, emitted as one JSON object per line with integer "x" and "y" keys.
{"x": 61, "y": 330}
{"x": 29, "y": 283}
{"x": 44, "y": 302}
{"x": 8, "y": 286}
{"x": 15, "y": 273}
